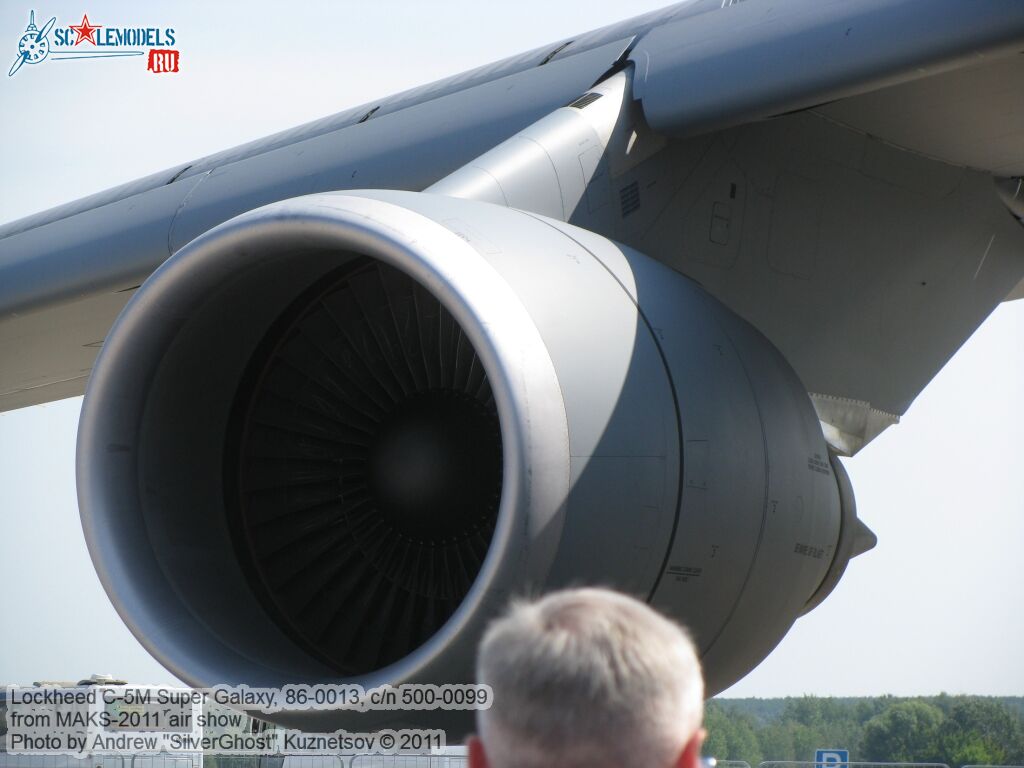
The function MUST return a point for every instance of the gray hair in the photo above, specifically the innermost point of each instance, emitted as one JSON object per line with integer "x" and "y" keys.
{"x": 588, "y": 677}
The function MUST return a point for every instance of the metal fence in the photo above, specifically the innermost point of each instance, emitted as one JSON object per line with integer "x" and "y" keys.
{"x": 101, "y": 761}
{"x": 60, "y": 761}
{"x": 235, "y": 761}
{"x": 358, "y": 761}
{"x": 411, "y": 761}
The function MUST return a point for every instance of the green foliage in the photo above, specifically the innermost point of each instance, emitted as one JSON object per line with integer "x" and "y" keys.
{"x": 955, "y": 730}
{"x": 980, "y": 732}
{"x": 731, "y": 734}
{"x": 905, "y": 732}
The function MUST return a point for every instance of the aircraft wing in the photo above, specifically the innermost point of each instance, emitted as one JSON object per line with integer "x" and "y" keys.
{"x": 940, "y": 78}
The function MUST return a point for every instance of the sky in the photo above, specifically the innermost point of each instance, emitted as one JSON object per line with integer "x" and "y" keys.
{"x": 937, "y": 606}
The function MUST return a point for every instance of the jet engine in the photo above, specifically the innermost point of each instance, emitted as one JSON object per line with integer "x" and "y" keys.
{"x": 329, "y": 439}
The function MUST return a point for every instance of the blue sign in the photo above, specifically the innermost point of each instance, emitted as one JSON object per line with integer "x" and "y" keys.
{"x": 827, "y": 758}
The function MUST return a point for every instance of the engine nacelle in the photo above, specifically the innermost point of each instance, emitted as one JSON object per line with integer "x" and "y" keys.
{"x": 329, "y": 439}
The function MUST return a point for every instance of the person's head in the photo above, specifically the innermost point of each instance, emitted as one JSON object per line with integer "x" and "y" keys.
{"x": 588, "y": 677}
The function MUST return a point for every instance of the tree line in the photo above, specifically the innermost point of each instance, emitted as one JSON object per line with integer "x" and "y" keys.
{"x": 955, "y": 730}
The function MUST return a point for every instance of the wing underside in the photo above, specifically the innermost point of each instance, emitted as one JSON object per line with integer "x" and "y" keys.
{"x": 938, "y": 79}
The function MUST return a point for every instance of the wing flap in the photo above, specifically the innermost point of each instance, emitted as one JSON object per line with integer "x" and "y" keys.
{"x": 48, "y": 354}
{"x": 754, "y": 60}
{"x": 972, "y": 117}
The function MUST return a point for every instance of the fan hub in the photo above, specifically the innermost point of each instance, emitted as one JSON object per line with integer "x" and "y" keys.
{"x": 435, "y": 465}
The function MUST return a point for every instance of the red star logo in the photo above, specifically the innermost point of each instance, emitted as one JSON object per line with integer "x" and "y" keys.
{"x": 85, "y": 30}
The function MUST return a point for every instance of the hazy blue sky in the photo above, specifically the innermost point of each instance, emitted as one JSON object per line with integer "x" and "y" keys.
{"x": 937, "y": 606}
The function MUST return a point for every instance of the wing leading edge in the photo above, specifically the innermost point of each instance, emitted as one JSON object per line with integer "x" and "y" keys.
{"x": 897, "y": 69}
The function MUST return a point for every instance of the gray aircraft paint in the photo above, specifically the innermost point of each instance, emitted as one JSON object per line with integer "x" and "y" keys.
{"x": 420, "y": 136}
{"x": 695, "y": 468}
{"x": 691, "y": 470}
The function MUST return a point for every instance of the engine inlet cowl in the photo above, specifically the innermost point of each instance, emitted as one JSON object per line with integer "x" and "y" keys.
{"x": 328, "y": 440}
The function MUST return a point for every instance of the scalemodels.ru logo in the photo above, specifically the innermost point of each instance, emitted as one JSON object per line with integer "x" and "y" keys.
{"x": 87, "y": 40}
